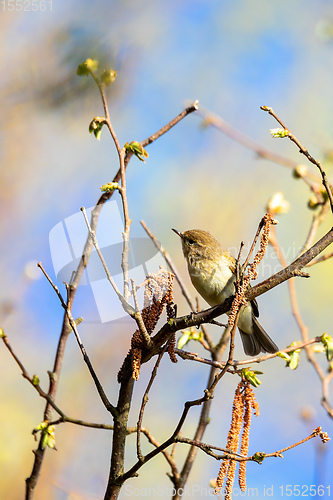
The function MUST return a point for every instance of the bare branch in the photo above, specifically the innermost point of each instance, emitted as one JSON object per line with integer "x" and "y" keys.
{"x": 172, "y": 123}
{"x": 303, "y": 151}
{"x": 293, "y": 269}
{"x": 127, "y": 307}
{"x": 317, "y": 219}
{"x": 73, "y": 326}
{"x": 192, "y": 356}
{"x": 234, "y": 134}
{"x": 32, "y": 380}
{"x": 145, "y": 401}
{"x": 315, "y": 433}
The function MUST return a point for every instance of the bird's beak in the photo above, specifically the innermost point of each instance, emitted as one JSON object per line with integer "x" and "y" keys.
{"x": 177, "y": 232}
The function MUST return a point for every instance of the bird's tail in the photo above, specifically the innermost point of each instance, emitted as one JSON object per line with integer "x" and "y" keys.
{"x": 258, "y": 341}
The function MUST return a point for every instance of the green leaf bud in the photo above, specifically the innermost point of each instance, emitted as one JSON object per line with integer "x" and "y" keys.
{"x": 327, "y": 341}
{"x": 110, "y": 186}
{"x": 87, "y": 67}
{"x": 279, "y": 132}
{"x": 259, "y": 457}
{"x": 300, "y": 171}
{"x": 95, "y": 126}
{"x": 108, "y": 77}
{"x": 251, "y": 377}
{"x": 136, "y": 148}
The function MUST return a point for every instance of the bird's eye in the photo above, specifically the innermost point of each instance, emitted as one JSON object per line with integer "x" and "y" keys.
{"x": 190, "y": 241}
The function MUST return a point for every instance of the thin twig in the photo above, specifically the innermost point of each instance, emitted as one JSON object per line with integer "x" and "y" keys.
{"x": 145, "y": 401}
{"x": 127, "y": 307}
{"x": 64, "y": 419}
{"x": 315, "y": 433}
{"x": 238, "y": 268}
{"x": 189, "y": 404}
{"x": 325, "y": 391}
{"x": 207, "y": 448}
{"x": 293, "y": 269}
{"x": 193, "y": 356}
{"x": 73, "y": 326}
{"x": 112, "y": 409}
{"x": 154, "y": 442}
{"x": 127, "y": 224}
{"x": 305, "y": 152}
{"x": 232, "y": 328}
{"x": 291, "y": 286}
{"x": 201, "y": 427}
{"x": 55, "y": 288}
{"x": 107, "y": 114}
{"x": 255, "y": 239}
{"x": 317, "y": 219}
{"x": 234, "y": 134}
{"x": 206, "y": 341}
{"x": 189, "y": 109}
{"x": 320, "y": 259}
{"x": 149, "y": 140}
{"x": 30, "y": 379}
{"x": 303, "y": 328}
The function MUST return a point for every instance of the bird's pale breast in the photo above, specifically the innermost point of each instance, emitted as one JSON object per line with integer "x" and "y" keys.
{"x": 214, "y": 281}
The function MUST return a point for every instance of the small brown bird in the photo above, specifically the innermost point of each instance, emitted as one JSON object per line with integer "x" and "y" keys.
{"x": 213, "y": 273}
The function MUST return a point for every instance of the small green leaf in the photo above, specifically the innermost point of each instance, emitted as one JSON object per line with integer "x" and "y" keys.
{"x": 283, "y": 355}
{"x": 108, "y": 77}
{"x": 327, "y": 341}
{"x": 259, "y": 457}
{"x": 294, "y": 357}
{"x": 95, "y": 126}
{"x": 279, "y": 132}
{"x": 42, "y": 426}
{"x": 77, "y": 321}
{"x": 2, "y": 333}
{"x": 251, "y": 377}
{"x": 87, "y": 67}
{"x": 184, "y": 339}
{"x": 48, "y": 439}
{"x": 190, "y": 334}
{"x": 48, "y": 435}
{"x": 136, "y": 148}
{"x": 110, "y": 186}
{"x": 294, "y": 360}
{"x": 35, "y": 380}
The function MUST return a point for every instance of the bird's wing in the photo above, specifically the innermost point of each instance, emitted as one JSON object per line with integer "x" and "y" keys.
{"x": 255, "y": 308}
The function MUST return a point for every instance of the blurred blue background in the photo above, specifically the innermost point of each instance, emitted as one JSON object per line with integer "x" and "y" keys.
{"x": 233, "y": 57}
